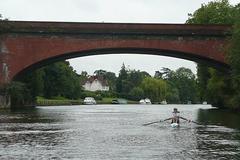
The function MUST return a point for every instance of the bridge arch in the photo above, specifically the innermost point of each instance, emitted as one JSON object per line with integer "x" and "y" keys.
{"x": 110, "y": 51}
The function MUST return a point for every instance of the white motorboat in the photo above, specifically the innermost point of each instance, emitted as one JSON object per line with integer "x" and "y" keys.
{"x": 164, "y": 102}
{"x": 89, "y": 100}
{"x": 142, "y": 101}
{"x": 145, "y": 101}
{"x": 148, "y": 101}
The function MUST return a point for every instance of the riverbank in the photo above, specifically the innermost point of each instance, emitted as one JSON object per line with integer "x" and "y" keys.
{"x": 56, "y": 102}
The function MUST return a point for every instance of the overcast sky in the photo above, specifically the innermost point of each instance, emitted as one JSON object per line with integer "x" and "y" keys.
{"x": 130, "y": 11}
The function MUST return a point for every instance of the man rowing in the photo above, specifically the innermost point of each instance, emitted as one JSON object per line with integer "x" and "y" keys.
{"x": 175, "y": 118}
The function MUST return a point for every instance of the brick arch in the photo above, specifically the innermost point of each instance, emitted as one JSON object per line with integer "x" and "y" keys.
{"x": 27, "y": 45}
{"x": 109, "y": 51}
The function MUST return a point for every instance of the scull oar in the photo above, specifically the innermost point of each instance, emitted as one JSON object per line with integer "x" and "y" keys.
{"x": 151, "y": 123}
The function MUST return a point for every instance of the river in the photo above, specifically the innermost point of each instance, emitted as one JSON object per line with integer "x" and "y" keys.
{"x": 116, "y": 132}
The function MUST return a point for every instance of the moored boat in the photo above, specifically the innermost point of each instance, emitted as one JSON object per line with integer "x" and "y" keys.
{"x": 145, "y": 101}
{"x": 89, "y": 100}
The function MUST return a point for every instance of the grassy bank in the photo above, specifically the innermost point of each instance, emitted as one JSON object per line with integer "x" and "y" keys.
{"x": 63, "y": 101}
{"x": 57, "y": 102}
{"x": 109, "y": 101}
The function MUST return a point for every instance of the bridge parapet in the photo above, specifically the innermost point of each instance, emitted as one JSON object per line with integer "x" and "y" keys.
{"x": 114, "y": 28}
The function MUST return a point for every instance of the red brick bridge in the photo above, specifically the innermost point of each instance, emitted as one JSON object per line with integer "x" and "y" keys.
{"x": 29, "y": 45}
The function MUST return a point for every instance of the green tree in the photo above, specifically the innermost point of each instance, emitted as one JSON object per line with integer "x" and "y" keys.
{"x": 172, "y": 95}
{"x": 34, "y": 82}
{"x": 111, "y": 78}
{"x": 100, "y": 72}
{"x": 234, "y": 59}
{"x": 129, "y": 79}
{"x": 19, "y": 94}
{"x": 61, "y": 80}
{"x": 216, "y": 12}
{"x": 155, "y": 89}
{"x": 83, "y": 77}
{"x": 183, "y": 83}
{"x": 121, "y": 81}
{"x": 137, "y": 93}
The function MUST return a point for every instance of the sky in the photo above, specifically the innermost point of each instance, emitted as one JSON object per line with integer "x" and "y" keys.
{"x": 119, "y": 11}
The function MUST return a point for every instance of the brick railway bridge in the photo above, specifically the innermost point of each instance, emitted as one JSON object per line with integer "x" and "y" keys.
{"x": 26, "y": 45}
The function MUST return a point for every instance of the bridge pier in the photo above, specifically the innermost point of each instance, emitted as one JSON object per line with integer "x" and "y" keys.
{"x": 5, "y": 102}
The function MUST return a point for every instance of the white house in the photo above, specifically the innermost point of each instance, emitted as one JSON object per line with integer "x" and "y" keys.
{"x": 95, "y": 83}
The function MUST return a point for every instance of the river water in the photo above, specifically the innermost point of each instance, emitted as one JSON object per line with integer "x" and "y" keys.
{"x": 116, "y": 132}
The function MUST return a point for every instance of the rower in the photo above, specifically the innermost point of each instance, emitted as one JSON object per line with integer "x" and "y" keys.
{"x": 175, "y": 118}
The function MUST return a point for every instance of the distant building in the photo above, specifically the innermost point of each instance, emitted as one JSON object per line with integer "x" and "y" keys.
{"x": 96, "y": 83}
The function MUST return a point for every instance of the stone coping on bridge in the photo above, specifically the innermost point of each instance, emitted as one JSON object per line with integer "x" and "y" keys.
{"x": 42, "y": 27}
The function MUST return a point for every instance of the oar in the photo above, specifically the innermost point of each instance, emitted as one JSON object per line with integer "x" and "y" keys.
{"x": 151, "y": 123}
{"x": 195, "y": 122}
{"x": 190, "y": 120}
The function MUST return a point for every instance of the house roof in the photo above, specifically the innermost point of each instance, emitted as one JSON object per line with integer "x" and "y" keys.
{"x": 98, "y": 78}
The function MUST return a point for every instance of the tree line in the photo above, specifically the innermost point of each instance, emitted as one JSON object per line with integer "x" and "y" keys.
{"x": 173, "y": 86}
{"x": 59, "y": 80}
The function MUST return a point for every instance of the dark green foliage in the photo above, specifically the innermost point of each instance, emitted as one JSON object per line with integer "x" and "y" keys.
{"x": 155, "y": 89}
{"x": 128, "y": 80}
{"x": 120, "y": 85}
{"x": 55, "y": 80}
{"x": 215, "y": 12}
{"x": 19, "y": 94}
{"x": 35, "y": 83}
{"x": 202, "y": 81}
{"x": 234, "y": 60}
{"x": 61, "y": 80}
{"x": 137, "y": 93}
{"x": 174, "y": 86}
{"x": 182, "y": 84}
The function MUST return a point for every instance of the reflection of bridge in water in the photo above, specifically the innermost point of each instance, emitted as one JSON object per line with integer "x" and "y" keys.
{"x": 29, "y": 45}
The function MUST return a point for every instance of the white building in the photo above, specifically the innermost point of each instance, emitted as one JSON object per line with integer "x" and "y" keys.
{"x": 95, "y": 83}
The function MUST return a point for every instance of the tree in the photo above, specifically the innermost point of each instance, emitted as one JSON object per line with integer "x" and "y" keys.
{"x": 234, "y": 59}
{"x": 137, "y": 93}
{"x": 155, "y": 89}
{"x": 121, "y": 80}
{"x": 129, "y": 79}
{"x": 19, "y": 94}
{"x": 61, "y": 80}
{"x": 203, "y": 75}
{"x": 100, "y": 72}
{"x": 216, "y": 12}
{"x": 183, "y": 84}
{"x": 83, "y": 77}
{"x": 34, "y": 81}
{"x": 111, "y": 78}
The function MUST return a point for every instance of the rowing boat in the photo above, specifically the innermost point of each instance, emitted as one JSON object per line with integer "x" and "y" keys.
{"x": 174, "y": 125}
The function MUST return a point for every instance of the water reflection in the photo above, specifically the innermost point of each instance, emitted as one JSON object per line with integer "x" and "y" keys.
{"x": 215, "y": 116}
{"x": 24, "y": 132}
{"x": 214, "y": 139}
